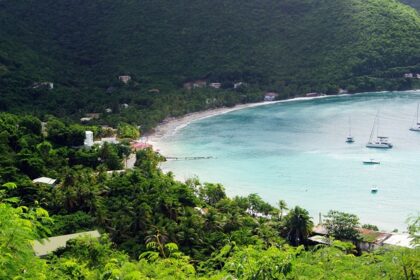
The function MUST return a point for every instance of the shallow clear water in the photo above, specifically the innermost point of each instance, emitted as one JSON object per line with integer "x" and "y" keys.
{"x": 296, "y": 151}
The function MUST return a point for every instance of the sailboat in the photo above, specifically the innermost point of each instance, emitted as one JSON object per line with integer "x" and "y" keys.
{"x": 350, "y": 138}
{"x": 416, "y": 127}
{"x": 381, "y": 142}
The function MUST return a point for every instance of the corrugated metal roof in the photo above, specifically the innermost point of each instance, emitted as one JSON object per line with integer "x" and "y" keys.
{"x": 49, "y": 245}
{"x": 44, "y": 180}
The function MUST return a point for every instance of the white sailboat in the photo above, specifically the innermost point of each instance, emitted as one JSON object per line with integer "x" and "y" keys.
{"x": 381, "y": 142}
{"x": 350, "y": 139}
{"x": 416, "y": 126}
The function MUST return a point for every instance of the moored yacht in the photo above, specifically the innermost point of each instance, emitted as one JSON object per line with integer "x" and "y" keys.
{"x": 350, "y": 139}
{"x": 381, "y": 142}
{"x": 416, "y": 126}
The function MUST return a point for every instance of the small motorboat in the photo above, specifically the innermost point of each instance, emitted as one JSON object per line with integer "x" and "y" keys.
{"x": 374, "y": 190}
{"x": 371, "y": 162}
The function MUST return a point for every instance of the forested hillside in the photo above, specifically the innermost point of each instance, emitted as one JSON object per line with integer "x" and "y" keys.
{"x": 288, "y": 46}
{"x": 413, "y": 3}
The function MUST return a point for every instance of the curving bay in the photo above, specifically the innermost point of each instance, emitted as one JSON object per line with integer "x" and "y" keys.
{"x": 296, "y": 151}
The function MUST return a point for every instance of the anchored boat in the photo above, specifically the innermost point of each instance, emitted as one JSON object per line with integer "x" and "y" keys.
{"x": 416, "y": 125}
{"x": 371, "y": 162}
{"x": 350, "y": 139}
{"x": 381, "y": 142}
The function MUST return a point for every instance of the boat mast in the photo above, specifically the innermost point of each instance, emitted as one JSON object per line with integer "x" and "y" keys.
{"x": 417, "y": 120}
{"x": 373, "y": 128}
{"x": 349, "y": 126}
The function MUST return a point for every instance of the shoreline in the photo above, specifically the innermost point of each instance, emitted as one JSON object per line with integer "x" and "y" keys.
{"x": 170, "y": 126}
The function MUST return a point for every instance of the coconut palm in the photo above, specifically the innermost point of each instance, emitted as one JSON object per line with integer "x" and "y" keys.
{"x": 298, "y": 225}
{"x": 282, "y": 206}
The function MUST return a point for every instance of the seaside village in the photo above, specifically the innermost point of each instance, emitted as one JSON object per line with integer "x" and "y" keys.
{"x": 369, "y": 239}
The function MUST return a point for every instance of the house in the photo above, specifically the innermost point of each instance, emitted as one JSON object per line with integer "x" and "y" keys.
{"x": 342, "y": 91}
{"x": 125, "y": 79}
{"x": 199, "y": 84}
{"x": 93, "y": 115}
{"x": 108, "y": 110}
{"x": 137, "y": 146}
{"x": 125, "y": 105}
{"x": 418, "y": 76}
{"x": 109, "y": 140}
{"x": 312, "y": 94}
{"x": 408, "y": 75}
{"x": 49, "y": 245}
{"x": 46, "y": 85}
{"x": 154, "y": 90}
{"x": 400, "y": 239}
{"x": 88, "y": 142}
{"x": 270, "y": 96}
{"x": 85, "y": 119}
{"x": 370, "y": 239}
{"x": 215, "y": 85}
{"x": 238, "y": 85}
{"x": 44, "y": 180}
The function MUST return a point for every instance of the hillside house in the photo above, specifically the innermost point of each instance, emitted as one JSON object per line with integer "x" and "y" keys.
{"x": 342, "y": 91}
{"x": 93, "y": 115}
{"x": 124, "y": 79}
{"x": 43, "y": 85}
{"x": 312, "y": 94}
{"x": 215, "y": 85}
{"x": 108, "y": 110}
{"x": 270, "y": 96}
{"x": 409, "y": 75}
{"x": 154, "y": 90}
{"x": 195, "y": 84}
{"x": 138, "y": 146}
{"x": 238, "y": 85}
{"x": 45, "y": 181}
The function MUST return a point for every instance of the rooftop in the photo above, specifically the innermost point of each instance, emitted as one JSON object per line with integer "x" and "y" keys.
{"x": 49, "y": 245}
{"x": 44, "y": 180}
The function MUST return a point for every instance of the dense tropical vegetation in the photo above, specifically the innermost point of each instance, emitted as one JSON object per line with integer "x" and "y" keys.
{"x": 289, "y": 46}
{"x": 154, "y": 227}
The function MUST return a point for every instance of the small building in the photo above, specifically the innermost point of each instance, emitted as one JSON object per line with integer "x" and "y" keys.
{"x": 45, "y": 180}
{"x": 124, "y": 79}
{"x": 108, "y": 110}
{"x": 400, "y": 239}
{"x": 109, "y": 140}
{"x": 195, "y": 84}
{"x": 85, "y": 119}
{"x": 270, "y": 96}
{"x": 46, "y": 85}
{"x": 370, "y": 239}
{"x": 312, "y": 94}
{"x": 342, "y": 91}
{"x": 124, "y": 105}
{"x": 88, "y": 139}
{"x": 154, "y": 90}
{"x": 408, "y": 75}
{"x": 93, "y": 115}
{"x": 215, "y": 85}
{"x": 418, "y": 76}
{"x": 138, "y": 146}
{"x": 49, "y": 245}
{"x": 238, "y": 85}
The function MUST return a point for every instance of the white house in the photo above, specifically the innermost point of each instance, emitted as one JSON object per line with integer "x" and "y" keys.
{"x": 408, "y": 75}
{"x": 270, "y": 96}
{"x": 44, "y": 180}
{"x": 215, "y": 85}
{"x": 124, "y": 78}
{"x": 88, "y": 139}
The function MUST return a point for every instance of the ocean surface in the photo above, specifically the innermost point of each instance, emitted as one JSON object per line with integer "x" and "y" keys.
{"x": 296, "y": 151}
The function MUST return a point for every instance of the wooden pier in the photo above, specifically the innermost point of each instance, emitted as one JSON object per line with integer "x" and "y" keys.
{"x": 189, "y": 158}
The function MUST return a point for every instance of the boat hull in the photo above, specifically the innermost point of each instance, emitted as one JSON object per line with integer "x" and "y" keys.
{"x": 379, "y": 146}
{"x": 415, "y": 129}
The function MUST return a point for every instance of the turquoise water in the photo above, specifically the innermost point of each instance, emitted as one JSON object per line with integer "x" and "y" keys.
{"x": 296, "y": 151}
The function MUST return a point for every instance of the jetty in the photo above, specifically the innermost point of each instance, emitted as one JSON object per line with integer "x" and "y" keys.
{"x": 189, "y": 158}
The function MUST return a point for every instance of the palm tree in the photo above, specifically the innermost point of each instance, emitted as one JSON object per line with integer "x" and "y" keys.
{"x": 298, "y": 225}
{"x": 282, "y": 206}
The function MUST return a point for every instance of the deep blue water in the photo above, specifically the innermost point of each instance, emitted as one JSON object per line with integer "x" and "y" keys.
{"x": 296, "y": 151}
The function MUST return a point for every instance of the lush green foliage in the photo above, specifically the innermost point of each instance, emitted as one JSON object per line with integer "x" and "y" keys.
{"x": 155, "y": 227}
{"x": 290, "y": 46}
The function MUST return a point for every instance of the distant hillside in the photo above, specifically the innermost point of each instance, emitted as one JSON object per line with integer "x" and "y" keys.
{"x": 292, "y": 46}
{"x": 413, "y": 3}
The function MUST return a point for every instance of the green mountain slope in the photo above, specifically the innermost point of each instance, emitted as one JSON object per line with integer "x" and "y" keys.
{"x": 290, "y": 46}
{"x": 413, "y": 3}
